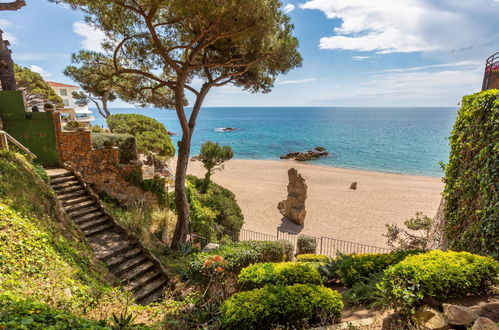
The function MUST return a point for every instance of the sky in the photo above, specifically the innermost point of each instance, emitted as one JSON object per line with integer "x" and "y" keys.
{"x": 406, "y": 53}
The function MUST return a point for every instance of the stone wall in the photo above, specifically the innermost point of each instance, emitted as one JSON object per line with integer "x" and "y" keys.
{"x": 99, "y": 168}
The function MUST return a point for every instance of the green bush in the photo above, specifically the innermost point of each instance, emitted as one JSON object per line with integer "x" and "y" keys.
{"x": 215, "y": 213}
{"x": 437, "y": 274}
{"x": 358, "y": 267}
{"x": 151, "y": 135}
{"x": 242, "y": 254}
{"x": 364, "y": 292}
{"x": 289, "y": 248}
{"x": 155, "y": 185}
{"x": 306, "y": 244}
{"x": 312, "y": 258}
{"x": 299, "y": 305}
{"x": 124, "y": 142}
{"x": 471, "y": 177}
{"x": 283, "y": 273}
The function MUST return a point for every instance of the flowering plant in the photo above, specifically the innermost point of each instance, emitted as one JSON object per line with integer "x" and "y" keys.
{"x": 214, "y": 268}
{"x": 493, "y": 68}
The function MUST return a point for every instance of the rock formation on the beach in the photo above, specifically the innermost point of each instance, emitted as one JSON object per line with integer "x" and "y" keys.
{"x": 309, "y": 155}
{"x": 353, "y": 186}
{"x": 294, "y": 206}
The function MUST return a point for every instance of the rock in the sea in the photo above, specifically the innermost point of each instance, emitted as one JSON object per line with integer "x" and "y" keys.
{"x": 294, "y": 206}
{"x": 430, "y": 318}
{"x": 483, "y": 323}
{"x": 459, "y": 315}
{"x": 309, "y": 155}
{"x": 353, "y": 186}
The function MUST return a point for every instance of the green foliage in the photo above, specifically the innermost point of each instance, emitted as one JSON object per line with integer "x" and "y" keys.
{"x": 358, "y": 267}
{"x": 35, "y": 90}
{"x": 241, "y": 254}
{"x": 312, "y": 258}
{"x": 151, "y": 135}
{"x": 306, "y": 244}
{"x": 299, "y": 305}
{"x": 401, "y": 239}
{"x": 471, "y": 177}
{"x": 72, "y": 125}
{"x": 437, "y": 274}
{"x": 365, "y": 292}
{"x": 156, "y": 185}
{"x": 125, "y": 143}
{"x": 97, "y": 129}
{"x": 16, "y": 313}
{"x": 284, "y": 273}
{"x": 329, "y": 269}
{"x": 215, "y": 213}
{"x": 289, "y": 248}
{"x": 213, "y": 155}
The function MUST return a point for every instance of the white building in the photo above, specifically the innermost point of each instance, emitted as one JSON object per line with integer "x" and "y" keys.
{"x": 73, "y": 111}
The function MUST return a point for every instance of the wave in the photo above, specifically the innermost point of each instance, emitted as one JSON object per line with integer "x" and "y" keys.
{"x": 226, "y": 129}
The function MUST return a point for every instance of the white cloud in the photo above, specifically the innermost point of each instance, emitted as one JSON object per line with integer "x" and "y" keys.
{"x": 289, "y": 82}
{"x": 289, "y": 8}
{"x": 5, "y": 24}
{"x": 361, "y": 58}
{"x": 92, "y": 37}
{"x": 40, "y": 70}
{"x": 468, "y": 64}
{"x": 388, "y": 26}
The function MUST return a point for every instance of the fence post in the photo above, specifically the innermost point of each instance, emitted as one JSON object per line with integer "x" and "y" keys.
{"x": 277, "y": 233}
{"x": 321, "y": 246}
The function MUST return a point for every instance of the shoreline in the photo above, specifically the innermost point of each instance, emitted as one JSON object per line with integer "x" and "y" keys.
{"x": 333, "y": 210}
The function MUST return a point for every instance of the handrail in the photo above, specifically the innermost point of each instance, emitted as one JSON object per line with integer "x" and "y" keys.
{"x": 6, "y": 137}
{"x": 491, "y": 76}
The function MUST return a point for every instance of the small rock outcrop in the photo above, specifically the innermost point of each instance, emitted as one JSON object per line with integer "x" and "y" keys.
{"x": 294, "y": 206}
{"x": 430, "y": 318}
{"x": 483, "y": 323}
{"x": 309, "y": 155}
{"x": 459, "y": 315}
{"x": 353, "y": 186}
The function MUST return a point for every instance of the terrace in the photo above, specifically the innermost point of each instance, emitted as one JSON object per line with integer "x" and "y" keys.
{"x": 491, "y": 76}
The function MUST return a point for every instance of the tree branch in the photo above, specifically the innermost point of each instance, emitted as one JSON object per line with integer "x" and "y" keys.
{"x": 14, "y": 5}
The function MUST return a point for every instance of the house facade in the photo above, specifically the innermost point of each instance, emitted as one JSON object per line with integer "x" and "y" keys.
{"x": 71, "y": 110}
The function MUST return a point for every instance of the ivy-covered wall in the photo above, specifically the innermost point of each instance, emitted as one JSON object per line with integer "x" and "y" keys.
{"x": 472, "y": 177}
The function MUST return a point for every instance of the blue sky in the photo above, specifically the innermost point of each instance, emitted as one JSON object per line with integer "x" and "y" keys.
{"x": 356, "y": 52}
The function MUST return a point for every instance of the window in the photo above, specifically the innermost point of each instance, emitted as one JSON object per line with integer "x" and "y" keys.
{"x": 64, "y": 92}
{"x": 66, "y": 103}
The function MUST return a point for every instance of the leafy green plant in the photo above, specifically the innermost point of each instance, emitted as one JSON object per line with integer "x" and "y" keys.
{"x": 437, "y": 274}
{"x": 283, "y": 273}
{"x": 364, "y": 292}
{"x": 306, "y": 244}
{"x": 72, "y": 125}
{"x": 213, "y": 155}
{"x": 293, "y": 306}
{"x": 289, "y": 249}
{"x": 471, "y": 177}
{"x": 329, "y": 269}
{"x": 312, "y": 258}
{"x": 202, "y": 316}
{"x": 124, "y": 142}
{"x": 401, "y": 239}
{"x": 155, "y": 185}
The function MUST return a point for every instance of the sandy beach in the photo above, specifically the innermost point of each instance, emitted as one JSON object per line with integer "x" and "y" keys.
{"x": 333, "y": 210}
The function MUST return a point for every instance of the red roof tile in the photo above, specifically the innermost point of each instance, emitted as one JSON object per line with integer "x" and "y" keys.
{"x": 56, "y": 84}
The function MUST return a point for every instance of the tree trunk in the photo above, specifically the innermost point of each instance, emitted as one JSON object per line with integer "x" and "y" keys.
{"x": 13, "y": 5}
{"x": 7, "y": 77}
{"x": 104, "y": 106}
{"x": 207, "y": 180}
{"x": 181, "y": 202}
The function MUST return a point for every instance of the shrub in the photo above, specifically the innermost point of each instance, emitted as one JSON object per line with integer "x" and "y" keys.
{"x": 97, "y": 129}
{"x": 297, "y": 305}
{"x": 124, "y": 142}
{"x": 242, "y": 254}
{"x": 312, "y": 258}
{"x": 471, "y": 177}
{"x": 417, "y": 238}
{"x": 437, "y": 274}
{"x": 364, "y": 292}
{"x": 329, "y": 270}
{"x": 358, "y": 267}
{"x": 72, "y": 125}
{"x": 289, "y": 248}
{"x": 306, "y": 244}
{"x": 151, "y": 135}
{"x": 284, "y": 273}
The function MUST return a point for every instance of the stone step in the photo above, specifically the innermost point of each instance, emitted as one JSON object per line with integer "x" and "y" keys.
{"x": 76, "y": 200}
{"x": 62, "y": 179}
{"x": 98, "y": 229}
{"x": 121, "y": 258}
{"x": 80, "y": 213}
{"x": 80, "y": 206}
{"x": 148, "y": 290}
{"x": 94, "y": 223}
{"x": 67, "y": 190}
{"x": 136, "y": 272}
{"x": 60, "y": 185}
{"x": 142, "y": 280}
{"x": 61, "y": 174}
{"x": 153, "y": 297}
{"x": 88, "y": 217}
{"x": 74, "y": 194}
{"x": 129, "y": 265}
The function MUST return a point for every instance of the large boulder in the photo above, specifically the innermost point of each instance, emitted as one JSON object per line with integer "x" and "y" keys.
{"x": 431, "y": 319}
{"x": 459, "y": 315}
{"x": 294, "y": 206}
{"x": 308, "y": 155}
{"x": 483, "y": 323}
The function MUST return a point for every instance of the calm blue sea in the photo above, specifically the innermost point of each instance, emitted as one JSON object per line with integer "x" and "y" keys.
{"x": 399, "y": 140}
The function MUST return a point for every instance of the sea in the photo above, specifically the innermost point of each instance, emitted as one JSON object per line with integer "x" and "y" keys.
{"x": 395, "y": 140}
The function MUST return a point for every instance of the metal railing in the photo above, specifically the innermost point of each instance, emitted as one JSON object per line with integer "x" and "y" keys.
{"x": 325, "y": 245}
{"x": 491, "y": 75}
{"x": 5, "y": 138}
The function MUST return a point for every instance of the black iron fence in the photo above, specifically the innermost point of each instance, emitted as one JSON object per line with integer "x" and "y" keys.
{"x": 491, "y": 75}
{"x": 325, "y": 245}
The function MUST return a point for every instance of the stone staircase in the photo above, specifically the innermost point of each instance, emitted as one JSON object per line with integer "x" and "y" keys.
{"x": 138, "y": 270}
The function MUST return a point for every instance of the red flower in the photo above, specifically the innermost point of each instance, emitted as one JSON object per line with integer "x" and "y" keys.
{"x": 219, "y": 269}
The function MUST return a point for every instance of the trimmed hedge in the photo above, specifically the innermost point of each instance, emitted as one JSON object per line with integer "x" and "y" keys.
{"x": 306, "y": 244}
{"x": 298, "y": 305}
{"x": 437, "y": 274}
{"x": 284, "y": 273}
{"x": 242, "y": 254}
{"x": 289, "y": 248}
{"x": 358, "y": 267}
{"x": 125, "y": 143}
{"x": 312, "y": 258}
{"x": 472, "y": 177}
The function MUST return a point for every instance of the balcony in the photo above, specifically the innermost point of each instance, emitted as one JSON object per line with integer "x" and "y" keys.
{"x": 491, "y": 76}
{"x": 84, "y": 119}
